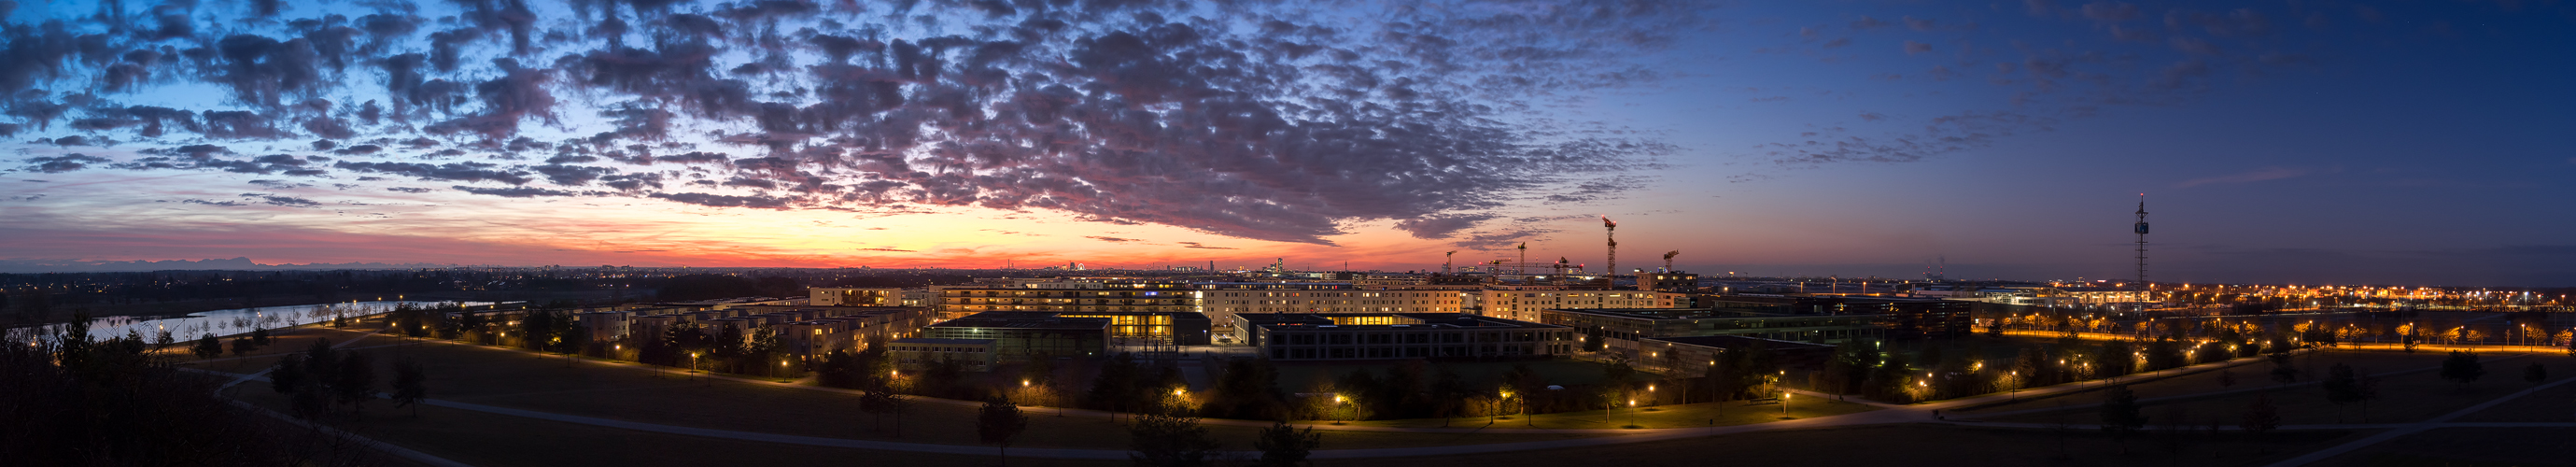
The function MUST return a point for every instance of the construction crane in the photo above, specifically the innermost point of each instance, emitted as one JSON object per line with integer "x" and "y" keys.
{"x": 1613, "y": 280}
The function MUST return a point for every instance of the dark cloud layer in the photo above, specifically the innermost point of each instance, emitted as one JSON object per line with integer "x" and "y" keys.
{"x": 1248, "y": 119}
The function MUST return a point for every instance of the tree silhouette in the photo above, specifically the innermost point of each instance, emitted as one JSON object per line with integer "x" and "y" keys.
{"x": 1166, "y": 438}
{"x": 244, "y": 346}
{"x": 2120, "y": 415}
{"x": 2342, "y": 387}
{"x": 2282, "y": 371}
{"x": 207, "y": 347}
{"x": 410, "y": 385}
{"x": 355, "y": 383}
{"x": 2463, "y": 367}
{"x": 2261, "y": 417}
{"x": 288, "y": 376}
{"x": 998, "y": 422}
{"x": 1285, "y": 446}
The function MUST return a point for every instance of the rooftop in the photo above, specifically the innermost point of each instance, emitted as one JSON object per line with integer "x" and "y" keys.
{"x": 925, "y": 340}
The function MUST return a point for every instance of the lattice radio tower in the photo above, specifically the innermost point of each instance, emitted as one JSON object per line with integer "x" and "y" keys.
{"x": 2141, "y": 229}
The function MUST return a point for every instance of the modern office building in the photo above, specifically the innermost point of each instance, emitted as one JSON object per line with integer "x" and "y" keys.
{"x": 1149, "y": 297}
{"x": 1017, "y": 335}
{"x": 854, "y": 296}
{"x": 976, "y": 355}
{"x": 1624, "y": 331}
{"x": 1366, "y": 336}
{"x": 1528, "y": 303}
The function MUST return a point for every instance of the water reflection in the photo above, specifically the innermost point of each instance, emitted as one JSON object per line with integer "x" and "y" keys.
{"x": 239, "y": 320}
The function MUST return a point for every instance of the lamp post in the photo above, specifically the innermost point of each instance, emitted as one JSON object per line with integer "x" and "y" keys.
{"x": 1337, "y": 402}
{"x": 1784, "y": 404}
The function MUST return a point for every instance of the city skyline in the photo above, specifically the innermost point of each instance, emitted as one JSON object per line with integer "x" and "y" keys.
{"x": 2359, "y": 144}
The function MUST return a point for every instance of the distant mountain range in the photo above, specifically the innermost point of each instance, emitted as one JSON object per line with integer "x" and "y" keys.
{"x": 234, "y": 264}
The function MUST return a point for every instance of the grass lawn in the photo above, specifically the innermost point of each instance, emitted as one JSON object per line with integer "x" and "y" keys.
{"x": 1906, "y": 445}
{"x": 2467, "y": 447}
{"x": 490, "y": 440}
{"x": 2251, "y": 375}
{"x": 2409, "y": 397}
{"x": 477, "y": 375}
{"x": 1668, "y": 416}
{"x": 2556, "y": 404}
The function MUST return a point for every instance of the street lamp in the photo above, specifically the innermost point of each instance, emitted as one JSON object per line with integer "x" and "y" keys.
{"x": 1337, "y": 401}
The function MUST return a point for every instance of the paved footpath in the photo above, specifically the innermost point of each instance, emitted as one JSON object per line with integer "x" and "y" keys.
{"x": 2443, "y": 421}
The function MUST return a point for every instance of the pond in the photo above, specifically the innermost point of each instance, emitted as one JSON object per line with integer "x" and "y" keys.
{"x": 239, "y": 320}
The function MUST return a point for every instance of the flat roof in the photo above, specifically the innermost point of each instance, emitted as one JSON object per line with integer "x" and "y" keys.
{"x": 926, "y": 340}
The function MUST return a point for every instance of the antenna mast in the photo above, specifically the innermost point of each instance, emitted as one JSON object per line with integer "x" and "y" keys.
{"x": 2141, "y": 229}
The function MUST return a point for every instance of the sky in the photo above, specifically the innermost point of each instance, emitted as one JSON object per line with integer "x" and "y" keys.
{"x": 2409, "y": 143}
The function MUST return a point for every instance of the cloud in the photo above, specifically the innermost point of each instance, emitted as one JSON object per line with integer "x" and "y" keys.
{"x": 885, "y": 249}
{"x": 2264, "y": 174}
{"x": 1203, "y": 247}
{"x": 63, "y": 163}
{"x": 287, "y": 201}
{"x": 1257, "y": 121}
{"x": 1111, "y": 239}
{"x": 280, "y": 184}
{"x": 513, "y": 192}
{"x": 1912, "y": 47}
{"x": 1442, "y": 226}
{"x": 462, "y": 172}
{"x": 725, "y": 201}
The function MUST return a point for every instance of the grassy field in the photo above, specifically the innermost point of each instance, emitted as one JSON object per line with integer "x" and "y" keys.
{"x": 489, "y": 440}
{"x": 1668, "y": 416}
{"x": 2409, "y": 397}
{"x": 2248, "y": 376}
{"x": 478, "y": 375}
{"x": 2556, "y": 404}
{"x": 2467, "y": 447}
{"x": 1907, "y": 445}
